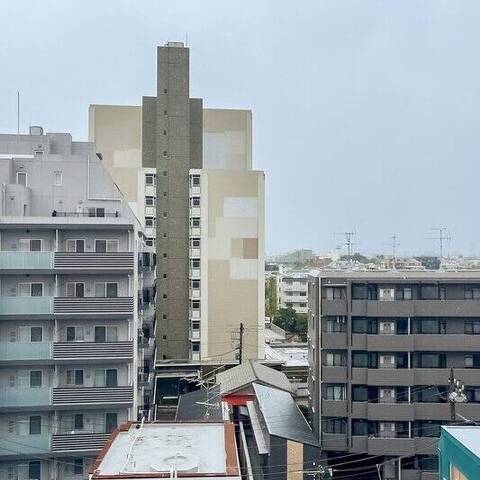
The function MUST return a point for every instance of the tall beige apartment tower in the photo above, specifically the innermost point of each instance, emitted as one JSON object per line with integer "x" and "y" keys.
{"x": 209, "y": 236}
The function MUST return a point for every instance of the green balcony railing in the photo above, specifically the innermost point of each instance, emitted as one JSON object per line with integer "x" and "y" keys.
{"x": 11, "y": 444}
{"x": 26, "y": 305}
{"x": 25, "y": 397}
{"x": 25, "y": 351}
{"x": 26, "y": 260}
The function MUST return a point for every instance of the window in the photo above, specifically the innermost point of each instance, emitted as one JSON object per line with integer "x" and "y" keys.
{"x": 430, "y": 292}
{"x": 195, "y": 180}
{"x": 334, "y": 359}
{"x": 472, "y": 293}
{"x": 472, "y": 327}
{"x": 195, "y": 222}
{"x": 78, "y": 466}
{"x": 78, "y": 421}
{"x": 430, "y": 360}
{"x": 334, "y": 392}
{"x": 75, "y": 334}
{"x": 195, "y": 263}
{"x": 360, "y": 359}
{"x": 111, "y": 422}
{"x": 196, "y": 325}
{"x": 195, "y": 347}
{"x": 30, "y": 290}
{"x": 74, "y": 377}
{"x": 35, "y": 425}
{"x": 335, "y": 293}
{"x": 30, "y": 245}
{"x": 150, "y": 179}
{"x": 195, "y": 284}
{"x": 77, "y": 246}
{"x": 430, "y": 325}
{"x": 106, "y": 334}
{"x": 34, "y": 470}
{"x": 334, "y": 425}
{"x": 58, "y": 179}
{"x": 22, "y": 178}
{"x": 334, "y": 324}
{"x": 35, "y": 379}
{"x": 359, "y": 427}
{"x": 150, "y": 222}
{"x": 359, "y": 393}
{"x": 404, "y": 293}
{"x": 105, "y": 378}
{"x": 195, "y": 305}
{"x": 364, "y": 325}
{"x": 149, "y": 201}
{"x": 195, "y": 202}
{"x": 107, "y": 289}
{"x": 359, "y": 292}
{"x": 36, "y": 334}
{"x": 75, "y": 289}
{"x": 96, "y": 212}
{"x": 195, "y": 242}
{"x": 102, "y": 246}
{"x": 468, "y": 361}
{"x": 456, "y": 474}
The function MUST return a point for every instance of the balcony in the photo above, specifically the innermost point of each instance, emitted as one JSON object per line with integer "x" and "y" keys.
{"x": 146, "y": 379}
{"x": 441, "y": 411}
{"x": 391, "y": 411}
{"x": 194, "y": 273}
{"x": 194, "y": 293}
{"x": 70, "y": 352}
{"x": 92, "y": 396}
{"x": 389, "y": 343}
{"x": 334, "y": 408}
{"x": 382, "y": 376}
{"x": 390, "y": 446}
{"x": 194, "y": 313}
{"x": 447, "y": 342}
{"x": 13, "y": 398}
{"x": 334, "y": 307}
{"x": 25, "y": 352}
{"x": 26, "y": 306}
{"x": 93, "y": 306}
{"x": 194, "y": 334}
{"x": 16, "y": 262}
{"x": 334, "y": 340}
{"x": 12, "y": 445}
{"x": 195, "y": 231}
{"x": 426, "y": 445}
{"x": 334, "y": 441}
{"x": 334, "y": 374}
{"x": 439, "y": 376}
{"x": 194, "y": 253}
{"x": 94, "y": 262}
{"x": 148, "y": 347}
{"x": 76, "y": 443}
{"x": 375, "y": 308}
{"x": 359, "y": 444}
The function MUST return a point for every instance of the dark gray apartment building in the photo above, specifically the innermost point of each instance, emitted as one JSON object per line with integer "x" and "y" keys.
{"x": 381, "y": 348}
{"x": 172, "y": 144}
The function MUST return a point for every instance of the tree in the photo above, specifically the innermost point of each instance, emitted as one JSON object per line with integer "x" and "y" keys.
{"x": 291, "y": 321}
{"x": 270, "y": 296}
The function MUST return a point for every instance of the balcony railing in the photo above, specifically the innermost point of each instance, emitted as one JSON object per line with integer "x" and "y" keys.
{"x": 67, "y": 396}
{"x": 26, "y": 306}
{"x": 93, "y": 305}
{"x": 71, "y": 351}
{"x": 78, "y": 442}
{"x": 25, "y": 397}
{"x": 94, "y": 261}
{"x": 26, "y": 261}
{"x": 24, "y": 351}
{"x": 11, "y": 445}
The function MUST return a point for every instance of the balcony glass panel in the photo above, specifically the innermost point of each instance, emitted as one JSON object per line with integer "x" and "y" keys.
{"x": 26, "y": 260}
{"x": 25, "y": 397}
{"x": 25, "y": 351}
{"x": 11, "y": 444}
{"x": 26, "y": 305}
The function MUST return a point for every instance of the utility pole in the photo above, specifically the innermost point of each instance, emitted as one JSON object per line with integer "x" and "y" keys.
{"x": 456, "y": 394}
{"x": 348, "y": 242}
{"x": 240, "y": 346}
{"x": 394, "y": 246}
{"x": 18, "y": 112}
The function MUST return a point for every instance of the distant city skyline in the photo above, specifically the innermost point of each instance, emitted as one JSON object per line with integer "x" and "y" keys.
{"x": 366, "y": 122}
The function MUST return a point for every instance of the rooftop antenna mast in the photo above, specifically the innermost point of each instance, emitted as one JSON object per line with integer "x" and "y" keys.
{"x": 394, "y": 246}
{"x": 442, "y": 237}
{"x": 18, "y": 112}
{"x": 349, "y": 243}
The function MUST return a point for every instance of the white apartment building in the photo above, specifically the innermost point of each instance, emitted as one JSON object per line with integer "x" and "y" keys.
{"x": 292, "y": 291}
{"x": 77, "y": 320}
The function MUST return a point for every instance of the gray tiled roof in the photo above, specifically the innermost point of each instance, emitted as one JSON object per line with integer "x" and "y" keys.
{"x": 191, "y": 406}
{"x": 251, "y": 371}
{"x": 282, "y": 416}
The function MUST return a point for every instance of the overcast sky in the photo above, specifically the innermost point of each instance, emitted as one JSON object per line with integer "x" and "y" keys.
{"x": 366, "y": 113}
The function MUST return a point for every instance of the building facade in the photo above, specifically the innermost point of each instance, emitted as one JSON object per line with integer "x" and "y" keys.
{"x": 381, "y": 348}
{"x": 154, "y": 151}
{"x": 292, "y": 291}
{"x": 75, "y": 288}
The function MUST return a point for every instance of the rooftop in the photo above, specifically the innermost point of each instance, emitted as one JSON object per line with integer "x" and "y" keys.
{"x": 154, "y": 450}
{"x": 468, "y": 436}
{"x": 290, "y": 356}
{"x": 401, "y": 275}
{"x": 248, "y": 372}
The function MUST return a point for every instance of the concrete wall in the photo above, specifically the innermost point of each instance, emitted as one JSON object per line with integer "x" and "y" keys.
{"x": 232, "y": 261}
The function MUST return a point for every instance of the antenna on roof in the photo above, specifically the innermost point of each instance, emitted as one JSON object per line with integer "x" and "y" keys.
{"x": 349, "y": 243}
{"x": 394, "y": 246}
{"x": 442, "y": 236}
{"x": 18, "y": 112}
{"x": 186, "y": 39}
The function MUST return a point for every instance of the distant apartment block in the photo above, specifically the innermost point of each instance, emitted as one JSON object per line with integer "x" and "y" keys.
{"x": 381, "y": 348}
{"x": 292, "y": 291}
{"x": 154, "y": 153}
{"x": 76, "y": 308}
